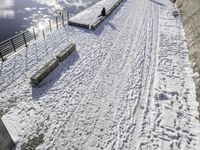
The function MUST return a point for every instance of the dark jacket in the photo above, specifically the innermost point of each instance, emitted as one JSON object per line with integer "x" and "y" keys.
{"x": 103, "y": 12}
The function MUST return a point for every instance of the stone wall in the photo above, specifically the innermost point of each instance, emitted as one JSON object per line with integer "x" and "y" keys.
{"x": 190, "y": 12}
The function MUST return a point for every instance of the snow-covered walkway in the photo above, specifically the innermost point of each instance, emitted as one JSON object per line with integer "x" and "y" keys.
{"x": 128, "y": 86}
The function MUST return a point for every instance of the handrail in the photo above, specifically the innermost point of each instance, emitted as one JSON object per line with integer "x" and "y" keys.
{"x": 22, "y": 39}
{"x": 13, "y": 37}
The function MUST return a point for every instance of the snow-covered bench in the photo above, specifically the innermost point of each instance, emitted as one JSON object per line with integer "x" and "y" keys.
{"x": 44, "y": 71}
{"x": 89, "y": 17}
{"x": 51, "y": 65}
{"x": 66, "y": 52}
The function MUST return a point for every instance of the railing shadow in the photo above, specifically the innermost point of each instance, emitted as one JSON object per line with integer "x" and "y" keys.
{"x": 25, "y": 60}
{"x": 112, "y": 26}
{"x": 23, "y": 39}
{"x": 10, "y": 72}
{"x": 51, "y": 79}
{"x": 159, "y": 3}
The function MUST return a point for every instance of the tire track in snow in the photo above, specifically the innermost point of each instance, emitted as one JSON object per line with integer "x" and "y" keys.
{"x": 152, "y": 45}
{"x": 126, "y": 126}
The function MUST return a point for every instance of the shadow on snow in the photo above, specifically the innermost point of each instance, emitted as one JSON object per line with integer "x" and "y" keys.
{"x": 54, "y": 76}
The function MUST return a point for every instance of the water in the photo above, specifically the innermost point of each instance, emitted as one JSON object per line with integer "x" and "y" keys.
{"x": 18, "y": 15}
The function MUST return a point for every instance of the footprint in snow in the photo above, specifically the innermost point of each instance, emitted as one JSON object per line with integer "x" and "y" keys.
{"x": 163, "y": 96}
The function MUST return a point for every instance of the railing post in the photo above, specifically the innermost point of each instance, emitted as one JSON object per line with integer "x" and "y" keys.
{"x": 34, "y": 34}
{"x": 13, "y": 45}
{"x": 25, "y": 40}
{"x": 1, "y": 56}
{"x": 67, "y": 16}
{"x": 57, "y": 22}
{"x": 43, "y": 33}
{"x": 63, "y": 20}
{"x": 50, "y": 25}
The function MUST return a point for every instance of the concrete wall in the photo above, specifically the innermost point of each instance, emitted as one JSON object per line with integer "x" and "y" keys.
{"x": 6, "y": 143}
{"x": 87, "y": 26}
{"x": 190, "y": 12}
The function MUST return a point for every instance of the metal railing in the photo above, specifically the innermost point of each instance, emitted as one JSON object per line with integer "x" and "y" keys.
{"x": 23, "y": 39}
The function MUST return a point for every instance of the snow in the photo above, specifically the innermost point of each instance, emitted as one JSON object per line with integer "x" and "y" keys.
{"x": 129, "y": 85}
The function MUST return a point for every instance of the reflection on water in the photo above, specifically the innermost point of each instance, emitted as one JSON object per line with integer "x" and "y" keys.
{"x": 18, "y": 15}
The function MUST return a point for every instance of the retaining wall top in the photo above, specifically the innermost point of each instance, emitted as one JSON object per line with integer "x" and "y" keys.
{"x": 6, "y": 142}
{"x": 90, "y": 15}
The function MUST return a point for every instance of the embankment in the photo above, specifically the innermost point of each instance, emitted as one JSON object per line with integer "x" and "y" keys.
{"x": 190, "y": 11}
